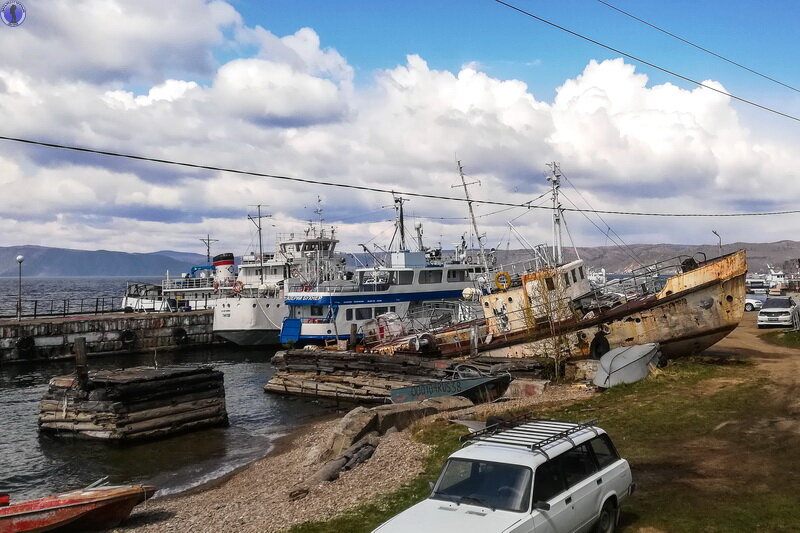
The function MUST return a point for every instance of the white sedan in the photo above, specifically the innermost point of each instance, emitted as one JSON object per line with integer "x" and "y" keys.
{"x": 779, "y": 311}
{"x": 752, "y": 304}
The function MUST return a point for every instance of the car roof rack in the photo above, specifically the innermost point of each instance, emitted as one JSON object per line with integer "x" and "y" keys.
{"x": 532, "y": 434}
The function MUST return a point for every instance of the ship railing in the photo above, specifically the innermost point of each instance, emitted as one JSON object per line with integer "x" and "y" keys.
{"x": 322, "y": 287}
{"x": 59, "y": 307}
{"x": 187, "y": 283}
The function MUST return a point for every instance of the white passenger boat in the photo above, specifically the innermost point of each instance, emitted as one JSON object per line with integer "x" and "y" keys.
{"x": 253, "y": 311}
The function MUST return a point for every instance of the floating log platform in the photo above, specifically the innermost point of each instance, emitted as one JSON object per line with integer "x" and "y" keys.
{"x": 133, "y": 404}
{"x": 369, "y": 377}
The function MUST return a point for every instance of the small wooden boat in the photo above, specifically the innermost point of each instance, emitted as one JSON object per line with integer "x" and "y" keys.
{"x": 464, "y": 380}
{"x": 90, "y": 509}
{"x": 627, "y": 364}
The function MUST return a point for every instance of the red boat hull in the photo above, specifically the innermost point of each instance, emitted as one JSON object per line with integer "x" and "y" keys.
{"x": 82, "y": 510}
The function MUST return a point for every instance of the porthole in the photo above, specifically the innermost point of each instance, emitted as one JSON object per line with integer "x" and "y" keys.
{"x": 729, "y": 298}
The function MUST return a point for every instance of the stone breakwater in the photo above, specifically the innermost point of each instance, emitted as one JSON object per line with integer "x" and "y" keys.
{"x": 53, "y": 338}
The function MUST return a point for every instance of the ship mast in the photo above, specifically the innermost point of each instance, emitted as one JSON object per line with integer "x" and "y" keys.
{"x": 207, "y": 241}
{"x": 555, "y": 179}
{"x": 257, "y": 221}
{"x": 464, "y": 184}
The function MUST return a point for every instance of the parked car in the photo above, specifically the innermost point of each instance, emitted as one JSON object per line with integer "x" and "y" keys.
{"x": 542, "y": 476}
{"x": 752, "y": 304}
{"x": 779, "y": 311}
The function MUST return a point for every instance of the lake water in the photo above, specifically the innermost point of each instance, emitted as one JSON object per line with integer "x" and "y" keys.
{"x": 32, "y": 465}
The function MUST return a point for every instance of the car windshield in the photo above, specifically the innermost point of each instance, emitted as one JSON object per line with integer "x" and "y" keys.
{"x": 783, "y": 303}
{"x": 495, "y": 485}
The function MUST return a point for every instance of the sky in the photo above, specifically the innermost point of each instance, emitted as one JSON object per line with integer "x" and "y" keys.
{"x": 389, "y": 95}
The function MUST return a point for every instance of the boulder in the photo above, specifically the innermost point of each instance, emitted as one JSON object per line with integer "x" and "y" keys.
{"x": 351, "y": 427}
{"x": 525, "y": 388}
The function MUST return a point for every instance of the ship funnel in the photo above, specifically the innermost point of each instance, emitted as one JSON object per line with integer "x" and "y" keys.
{"x": 223, "y": 267}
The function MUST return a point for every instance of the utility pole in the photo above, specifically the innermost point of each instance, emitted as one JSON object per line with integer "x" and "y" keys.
{"x": 207, "y": 241}
{"x": 555, "y": 179}
{"x": 464, "y": 184}
{"x": 257, "y": 221}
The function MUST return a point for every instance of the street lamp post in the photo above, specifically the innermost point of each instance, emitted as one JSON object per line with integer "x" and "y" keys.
{"x": 20, "y": 259}
{"x": 720, "y": 240}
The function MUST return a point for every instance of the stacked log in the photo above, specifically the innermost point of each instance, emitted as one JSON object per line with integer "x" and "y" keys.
{"x": 134, "y": 404}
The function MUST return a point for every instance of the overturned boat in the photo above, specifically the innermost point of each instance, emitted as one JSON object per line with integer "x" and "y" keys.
{"x": 627, "y": 364}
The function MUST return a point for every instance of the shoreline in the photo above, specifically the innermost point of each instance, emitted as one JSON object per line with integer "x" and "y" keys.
{"x": 280, "y": 445}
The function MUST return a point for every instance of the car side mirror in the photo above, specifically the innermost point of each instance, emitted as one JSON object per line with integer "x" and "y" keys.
{"x": 541, "y": 506}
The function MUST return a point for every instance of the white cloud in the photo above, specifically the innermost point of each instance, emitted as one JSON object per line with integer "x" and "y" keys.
{"x": 291, "y": 109}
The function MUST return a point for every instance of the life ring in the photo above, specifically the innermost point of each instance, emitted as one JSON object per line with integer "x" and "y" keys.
{"x": 238, "y": 286}
{"x": 295, "y": 273}
{"x": 216, "y": 287}
{"x": 502, "y": 280}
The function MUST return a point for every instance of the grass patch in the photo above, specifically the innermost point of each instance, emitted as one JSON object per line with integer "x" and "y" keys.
{"x": 788, "y": 339}
{"x": 699, "y": 441}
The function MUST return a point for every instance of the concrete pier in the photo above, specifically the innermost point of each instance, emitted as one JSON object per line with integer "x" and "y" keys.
{"x": 53, "y": 338}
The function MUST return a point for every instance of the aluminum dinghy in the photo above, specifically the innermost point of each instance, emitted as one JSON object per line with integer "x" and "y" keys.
{"x": 627, "y": 364}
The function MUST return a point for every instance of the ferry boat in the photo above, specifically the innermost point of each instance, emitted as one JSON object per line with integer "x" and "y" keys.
{"x": 253, "y": 311}
{"x": 415, "y": 287}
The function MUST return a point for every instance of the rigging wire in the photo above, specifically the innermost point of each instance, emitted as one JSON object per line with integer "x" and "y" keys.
{"x": 638, "y": 259}
{"x": 640, "y": 60}
{"x": 690, "y": 43}
{"x": 608, "y": 236}
{"x": 378, "y": 189}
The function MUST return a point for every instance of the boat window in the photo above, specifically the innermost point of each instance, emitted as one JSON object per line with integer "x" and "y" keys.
{"x": 430, "y": 276}
{"x": 348, "y": 315}
{"x": 574, "y": 276}
{"x": 454, "y": 276}
{"x": 550, "y": 285}
{"x": 548, "y": 481}
{"x": 405, "y": 277}
{"x": 577, "y": 464}
{"x": 363, "y": 313}
{"x": 316, "y": 310}
{"x": 580, "y": 270}
{"x": 381, "y": 310}
{"x": 498, "y": 485}
{"x": 391, "y": 308}
{"x": 566, "y": 278}
{"x": 603, "y": 450}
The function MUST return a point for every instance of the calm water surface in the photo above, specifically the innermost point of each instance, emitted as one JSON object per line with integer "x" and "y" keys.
{"x": 32, "y": 465}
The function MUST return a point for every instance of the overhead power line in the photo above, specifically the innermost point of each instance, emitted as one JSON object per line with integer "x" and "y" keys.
{"x": 648, "y": 63}
{"x": 690, "y": 43}
{"x": 374, "y": 189}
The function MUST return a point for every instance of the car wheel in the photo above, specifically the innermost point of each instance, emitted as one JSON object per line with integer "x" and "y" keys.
{"x": 608, "y": 518}
{"x": 748, "y": 307}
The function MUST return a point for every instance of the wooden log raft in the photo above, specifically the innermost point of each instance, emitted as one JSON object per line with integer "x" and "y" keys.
{"x": 133, "y": 404}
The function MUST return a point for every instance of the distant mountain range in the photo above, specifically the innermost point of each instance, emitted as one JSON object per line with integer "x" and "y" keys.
{"x": 41, "y": 261}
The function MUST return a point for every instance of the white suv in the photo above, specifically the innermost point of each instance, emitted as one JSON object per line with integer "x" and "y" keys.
{"x": 535, "y": 476}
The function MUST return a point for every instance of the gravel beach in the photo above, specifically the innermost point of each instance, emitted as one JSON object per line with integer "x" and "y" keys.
{"x": 256, "y": 498}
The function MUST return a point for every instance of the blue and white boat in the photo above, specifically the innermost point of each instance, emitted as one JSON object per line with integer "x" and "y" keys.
{"x": 417, "y": 287}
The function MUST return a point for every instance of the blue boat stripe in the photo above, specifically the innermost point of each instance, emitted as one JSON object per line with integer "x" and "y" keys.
{"x": 372, "y": 298}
